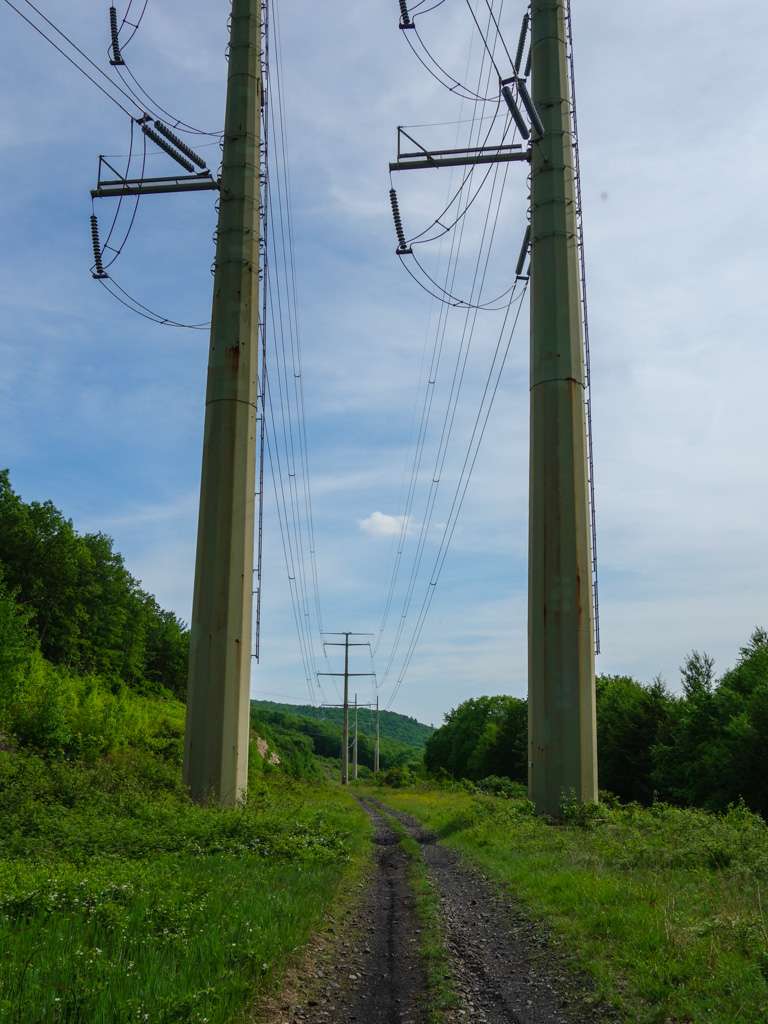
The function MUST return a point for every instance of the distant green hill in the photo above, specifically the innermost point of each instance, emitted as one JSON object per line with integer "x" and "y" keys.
{"x": 401, "y": 728}
{"x": 297, "y": 730}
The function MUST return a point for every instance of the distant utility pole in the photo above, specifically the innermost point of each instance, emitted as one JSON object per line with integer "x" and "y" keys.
{"x": 216, "y": 742}
{"x": 354, "y": 745}
{"x": 346, "y": 674}
{"x": 376, "y": 747}
{"x": 561, "y": 667}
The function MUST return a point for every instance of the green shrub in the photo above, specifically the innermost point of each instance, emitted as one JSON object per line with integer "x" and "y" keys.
{"x": 398, "y": 777}
{"x": 500, "y": 785}
{"x": 585, "y": 815}
{"x": 60, "y": 714}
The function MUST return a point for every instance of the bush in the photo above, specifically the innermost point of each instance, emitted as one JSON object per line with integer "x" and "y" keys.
{"x": 499, "y": 785}
{"x": 585, "y": 815}
{"x": 398, "y": 777}
{"x": 60, "y": 714}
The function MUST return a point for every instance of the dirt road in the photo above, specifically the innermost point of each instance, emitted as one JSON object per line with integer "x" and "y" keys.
{"x": 503, "y": 967}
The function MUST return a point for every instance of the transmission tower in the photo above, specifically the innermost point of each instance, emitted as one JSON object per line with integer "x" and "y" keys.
{"x": 218, "y": 697}
{"x": 561, "y": 571}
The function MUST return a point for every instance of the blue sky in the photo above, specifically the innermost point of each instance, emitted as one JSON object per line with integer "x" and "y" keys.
{"x": 102, "y": 411}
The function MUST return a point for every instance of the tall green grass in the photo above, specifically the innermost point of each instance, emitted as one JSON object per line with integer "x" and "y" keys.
{"x": 666, "y": 908}
{"x": 121, "y": 901}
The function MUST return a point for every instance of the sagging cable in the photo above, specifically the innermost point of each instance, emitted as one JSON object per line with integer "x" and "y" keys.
{"x": 402, "y": 246}
{"x": 405, "y": 18}
{"x": 180, "y": 144}
{"x": 525, "y": 96}
{"x": 167, "y": 148}
{"x": 117, "y": 57}
{"x": 514, "y": 110}
{"x": 521, "y": 42}
{"x": 99, "y": 273}
{"x": 523, "y": 253}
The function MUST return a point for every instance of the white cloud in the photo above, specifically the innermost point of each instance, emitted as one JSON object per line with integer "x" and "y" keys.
{"x": 379, "y": 524}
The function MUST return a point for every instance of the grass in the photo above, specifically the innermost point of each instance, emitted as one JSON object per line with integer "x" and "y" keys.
{"x": 665, "y": 908}
{"x": 441, "y": 995}
{"x": 120, "y": 901}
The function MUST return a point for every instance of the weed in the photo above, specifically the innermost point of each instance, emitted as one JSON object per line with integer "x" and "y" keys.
{"x": 663, "y": 906}
{"x": 120, "y": 900}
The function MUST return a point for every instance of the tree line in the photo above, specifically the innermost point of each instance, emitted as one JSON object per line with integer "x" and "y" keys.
{"x": 324, "y": 737}
{"x": 71, "y": 596}
{"x": 704, "y": 747}
{"x": 394, "y": 726}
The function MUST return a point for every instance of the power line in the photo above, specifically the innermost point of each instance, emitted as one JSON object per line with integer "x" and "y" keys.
{"x": 451, "y": 270}
{"x": 178, "y": 124}
{"x": 138, "y": 307}
{"x": 427, "y": 403}
{"x": 120, "y": 200}
{"x": 288, "y": 558}
{"x": 459, "y": 496}
{"x": 415, "y": 9}
{"x": 73, "y": 62}
{"x": 300, "y": 444}
{"x": 419, "y": 238}
{"x": 82, "y": 52}
{"x": 455, "y": 86}
{"x": 288, "y": 434}
{"x": 499, "y": 35}
{"x": 289, "y": 444}
{"x": 287, "y": 549}
{"x": 134, "y": 25}
{"x": 585, "y": 325}
{"x": 484, "y": 39}
{"x": 450, "y": 413}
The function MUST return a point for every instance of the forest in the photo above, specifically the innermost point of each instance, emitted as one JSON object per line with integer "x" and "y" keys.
{"x": 73, "y": 596}
{"x": 704, "y": 747}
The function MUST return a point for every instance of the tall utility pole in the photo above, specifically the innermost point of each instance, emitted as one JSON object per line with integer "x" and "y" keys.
{"x": 345, "y": 643}
{"x": 216, "y": 741}
{"x": 345, "y": 730}
{"x": 376, "y": 747}
{"x": 561, "y": 669}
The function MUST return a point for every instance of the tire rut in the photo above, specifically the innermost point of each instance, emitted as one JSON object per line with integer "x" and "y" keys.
{"x": 377, "y": 975}
{"x": 504, "y": 965}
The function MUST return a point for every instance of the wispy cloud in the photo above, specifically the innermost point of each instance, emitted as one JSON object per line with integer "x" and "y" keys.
{"x": 380, "y": 524}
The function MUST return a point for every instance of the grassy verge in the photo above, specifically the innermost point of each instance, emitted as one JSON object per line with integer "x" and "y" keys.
{"x": 120, "y": 901}
{"x": 663, "y": 907}
{"x": 440, "y": 989}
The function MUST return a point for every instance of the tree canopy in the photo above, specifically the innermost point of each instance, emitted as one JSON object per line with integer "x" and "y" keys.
{"x": 705, "y": 747}
{"x": 76, "y": 597}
